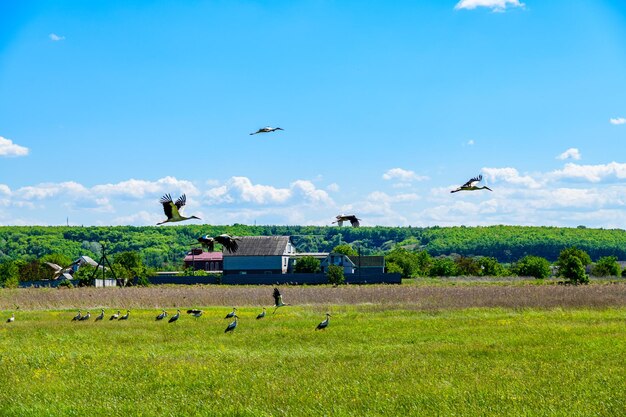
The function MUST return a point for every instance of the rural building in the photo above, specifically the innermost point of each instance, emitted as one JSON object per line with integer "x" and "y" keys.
{"x": 260, "y": 255}
{"x": 338, "y": 259}
{"x": 205, "y": 261}
{"x": 369, "y": 264}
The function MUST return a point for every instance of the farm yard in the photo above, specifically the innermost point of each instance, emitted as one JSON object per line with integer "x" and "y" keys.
{"x": 510, "y": 349}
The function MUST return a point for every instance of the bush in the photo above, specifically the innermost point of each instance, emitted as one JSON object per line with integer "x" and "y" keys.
{"x": 345, "y": 249}
{"x": 606, "y": 266}
{"x": 307, "y": 264}
{"x": 490, "y": 267}
{"x": 9, "y": 274}
{"x": 442, "y": 267}
{"x": 335, "y": 275}
{"x": 412, "y": 264}
{"x": 572, "y": 263}
{"x": 467, "y": 267}
{"x": 532, "y": 266}
{"x": 393, "y": 268}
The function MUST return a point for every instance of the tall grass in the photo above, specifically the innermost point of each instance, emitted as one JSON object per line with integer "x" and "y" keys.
{"x": 483, "y": 362}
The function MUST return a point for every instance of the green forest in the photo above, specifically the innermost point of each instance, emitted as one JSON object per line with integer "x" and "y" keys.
{"x": 163, "y": 248}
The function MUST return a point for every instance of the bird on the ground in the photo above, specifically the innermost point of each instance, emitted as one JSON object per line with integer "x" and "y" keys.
{"x": 261, "y": 314}
{"x": 324, "y": 324}
{"x": 59, "y": 270}
{"x": 85, "y": 317}
{"x": 172, "y": 210}
{"x": 232, "y": 325}
{"x": 278, "y": 300}
{"x": 174, "y": 317}
{"x": 115, "y": 316}
{"x": 11, "y": 319}
{"x": 267, "y": 129}
{"x": 100, "y": 316}
{"x": 231, "y": 314}
{"x": 162, "y": 315}
{"x": 347, "y": 217}
{"x": 195, "y": 312}
{"x": 125, "y": 316}
{"x": 78, "y": 316}
{"x": 471, "y": 185}
{"x": 228, "y": 242}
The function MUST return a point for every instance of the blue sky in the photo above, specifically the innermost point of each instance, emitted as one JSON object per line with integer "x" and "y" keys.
{"x": 105, "y": 106}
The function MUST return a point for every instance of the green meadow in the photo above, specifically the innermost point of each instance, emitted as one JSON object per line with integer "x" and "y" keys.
{"x": 370, "y": 361}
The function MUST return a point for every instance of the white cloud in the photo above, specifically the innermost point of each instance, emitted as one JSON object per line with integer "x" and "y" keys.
{"x": 591, "y": 173}
{"x": 55, "y": 38}
{"x": 4, "y": 189}
{"x": 403, "y": 175}
{"x": 471, "y": 142}
{"x": 140, "y": 188}
{"x": 334, "y": 187}
{"x": 311, "y": 194}
{"x": 618, "y": 121}
{"x": 8, "y": 148}
{"x": 572, "y": 153}
{"x": 495, "y": 5}
{"x": 511, "y": 176}
{"x": 51, "y": 190}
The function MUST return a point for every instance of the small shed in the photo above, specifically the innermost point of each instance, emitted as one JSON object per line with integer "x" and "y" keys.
{"x": 205, "y": 261}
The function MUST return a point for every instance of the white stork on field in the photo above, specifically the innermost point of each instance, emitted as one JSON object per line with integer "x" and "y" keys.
{"x": 100, "y": 316}
{"x": 471, "y": 185}
{"x": 59, "y": 270}
{"x": 172, "y": 210}
{"x": 125, "y": 316}
{"x": 78, "y": 316}
{"x": 195, "y": 312}
{"x": 345, "y": 218}
{"x": 232, "y": 325}
{"x": 324, "y": 324}
{"x": 85, "y": 317}
{"x": 261, "y": 314}
{"x": 115, "y": 316}
{"x": 267, "y": 129}
{"x": 162, "y": 315}
{"x": 278, "y": 300}
{"x": 231, "y": 314}
{"x": 11, "y": 319}
{"x": 174, "y": 317}
{"x": 228, "y": 242}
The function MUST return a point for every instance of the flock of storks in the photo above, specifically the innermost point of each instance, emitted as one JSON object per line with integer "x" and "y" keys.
{"x": 278, "y": 302}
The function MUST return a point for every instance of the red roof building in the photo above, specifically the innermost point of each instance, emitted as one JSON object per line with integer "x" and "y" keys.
{"x": 206, "y": 261}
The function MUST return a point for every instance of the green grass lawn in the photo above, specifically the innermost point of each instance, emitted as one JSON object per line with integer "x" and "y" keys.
{"x": 483, "y": 362}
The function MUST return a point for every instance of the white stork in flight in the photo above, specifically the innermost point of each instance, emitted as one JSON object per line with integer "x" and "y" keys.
{"x": 59, "y": 270}
{"x": 172, "y": 210}
{"x": 345, "y": 218}
{"x": 228, "y": 242}
{"x": 471, "y": 185}
{"x": 195, "y": 312}
{"x": 267, "y": 129}
{"x": 278, "y": 300}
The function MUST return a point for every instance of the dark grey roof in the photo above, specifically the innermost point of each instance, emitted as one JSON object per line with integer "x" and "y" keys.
{"x": 369, "y": 261}
{"x": 260, "y": 246}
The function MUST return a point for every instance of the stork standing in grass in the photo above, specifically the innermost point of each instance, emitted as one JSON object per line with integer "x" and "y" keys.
{"x": 278, "y": 300}
{"x": 100, "y": 316}
{"x": 347, "y": 218}
{"x": 85, "y": 317}
{"x": 232, "y": 325}
{"x": 267, "y": 129}
{"x": 471, "y": 185}
{"x": 174, "y": 317}
{"x": 231, "y": 314}
{"x": 125, "y": 316}
{"x": 78, "y": 316}
{"x": 172, "y": 210}
{"x": 115, "y": 316}
{"x": 11, "y": 319}
{"x": 261, "y": 314}
{"x": 324, "y": 324}
{"x": 228, "y": 242}
{"x": 162, "y": 315}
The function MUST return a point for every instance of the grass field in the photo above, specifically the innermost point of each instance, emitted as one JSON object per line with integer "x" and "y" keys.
{"x": 372, "y": 360}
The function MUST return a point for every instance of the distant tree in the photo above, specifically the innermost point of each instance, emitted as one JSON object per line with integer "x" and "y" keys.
{"x": 335, "y": 275}
{"x": 412, "y": 264}
{"x": 490, "y": 267}
{"x": 571, "y": 263}
{"x": 307, "y": 264}
{"x": 130, "y": 265}
{"x": 606, "y": 266}
{"x": 467, "y": 266}
{"x": 442, "y": 267}
{"x": 393, "y": 268}
{"x": 345, "y": 249}
{"x": 9, "y": 274}
{"x": 532, "y": 266}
